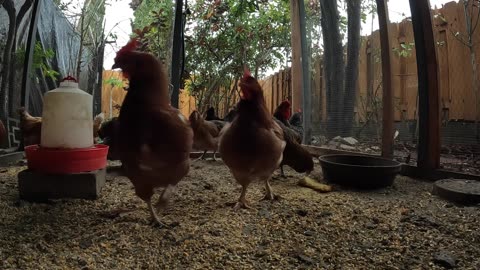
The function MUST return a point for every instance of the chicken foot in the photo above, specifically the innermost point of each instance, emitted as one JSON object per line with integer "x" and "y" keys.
{"x": 242, "y": 201}
{"x": 282, "y": 174}
{"x": 269, "y": 195}
{"x": 160, "y": 204}
{"x": 155, "y": 217}
{"x": 202, "y": 156}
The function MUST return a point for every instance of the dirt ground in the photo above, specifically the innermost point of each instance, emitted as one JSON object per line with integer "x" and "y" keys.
{"x": 401, "y": 227}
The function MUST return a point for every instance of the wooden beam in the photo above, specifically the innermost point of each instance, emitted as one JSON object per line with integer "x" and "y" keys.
{"x": 296, "y": 70}
{"x": 428, "y": 94}
{"x": 387, "y": 97}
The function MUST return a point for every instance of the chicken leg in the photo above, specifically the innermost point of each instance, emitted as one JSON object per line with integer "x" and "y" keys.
{"x": 269, "y": 195}
{"x": 282, "y": 174}
{"x": 242, "y": 201}
{"x": 214, "y": 158}
{"x": 160, "y": 204}
{"x": 155, "y": 217}
{"x": 164, "y": 197}
{"x": 202, "y": 156}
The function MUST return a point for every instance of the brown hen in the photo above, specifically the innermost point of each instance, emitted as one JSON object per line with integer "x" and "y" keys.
{"x": 205, "y": 133}
{"x": 155, "y": 140}
{"x": 252, "y": 145}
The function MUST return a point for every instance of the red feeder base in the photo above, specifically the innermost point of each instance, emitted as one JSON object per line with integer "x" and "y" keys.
{"x": 66, "y": 161}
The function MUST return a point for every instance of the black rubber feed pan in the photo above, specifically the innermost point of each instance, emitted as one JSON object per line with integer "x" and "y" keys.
{"x": 359, "y": 171}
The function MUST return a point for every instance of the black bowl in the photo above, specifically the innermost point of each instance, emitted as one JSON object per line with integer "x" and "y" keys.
{"x": 359, "y": 171}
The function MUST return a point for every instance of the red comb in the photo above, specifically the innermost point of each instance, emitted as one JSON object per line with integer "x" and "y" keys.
{"x": 130, "y": 46}
{"x": 246, "y": 72}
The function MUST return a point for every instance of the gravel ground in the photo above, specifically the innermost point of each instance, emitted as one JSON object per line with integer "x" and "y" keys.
{"x": 401, "y": 227}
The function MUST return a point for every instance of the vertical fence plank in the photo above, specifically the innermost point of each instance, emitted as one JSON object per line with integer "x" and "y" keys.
{"x": 429, "y": 124}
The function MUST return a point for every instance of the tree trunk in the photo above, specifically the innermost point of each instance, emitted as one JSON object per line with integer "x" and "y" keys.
{"x": 7, "y": 53}
{"x": 82, "y": 37}
{"x": 97, "y": 97}
{"x": 13, "y": 97}
{"x": 22, "y": 12}
{"x": 334, "y": 64}
{"x": 351, "y": 69}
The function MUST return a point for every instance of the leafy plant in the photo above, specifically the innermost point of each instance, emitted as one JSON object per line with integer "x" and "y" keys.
{"x": 152, "y": 27}
{"x": 405, "y": 49}
{"x": 40, "y": 60}
{"x": 114, "y": 82}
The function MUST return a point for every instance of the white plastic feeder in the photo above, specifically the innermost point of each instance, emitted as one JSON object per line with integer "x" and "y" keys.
{"x": 67, "y": 117}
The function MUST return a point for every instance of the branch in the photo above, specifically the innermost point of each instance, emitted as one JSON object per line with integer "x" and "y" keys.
{"x": 23, "y": 10}
{"x": 9, "y": 7}
{"x": 459, "y": 39}
{"x": 226, "y": 59}
{"x": 212, "y": 51}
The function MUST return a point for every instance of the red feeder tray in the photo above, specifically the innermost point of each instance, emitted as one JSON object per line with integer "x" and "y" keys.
{"x": 66, "y": 161}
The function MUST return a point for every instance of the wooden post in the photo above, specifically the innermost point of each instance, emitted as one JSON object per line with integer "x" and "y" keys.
{"x": 296, "y": 70}
{"x": 306, "y": 89}
{"x": 27, "y": 64}
{"x": 387, "y": 97}
{"x": 428, "y": 103}
{"x": 176, "y": 53}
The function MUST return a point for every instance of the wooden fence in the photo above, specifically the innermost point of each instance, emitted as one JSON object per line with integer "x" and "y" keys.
{"x": 455, "y": 77}
{"x": 112, "y": 94}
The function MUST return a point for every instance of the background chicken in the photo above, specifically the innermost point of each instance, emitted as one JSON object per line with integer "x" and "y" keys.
{"x": 231, "y": 114}
{"x": 211, "y": 115}
{"x": 205, "y": 133}
{"x": 97, "y": 123}
{"x": 155, "y": 140}
{"x": 108, "y": 133}
{"x": 296, "y": 122}
{"x": 30, "y": 127}
{"x": 252, "y": 145}
{"x": 283, "y": 112}
{"x": 294, "y": 154}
